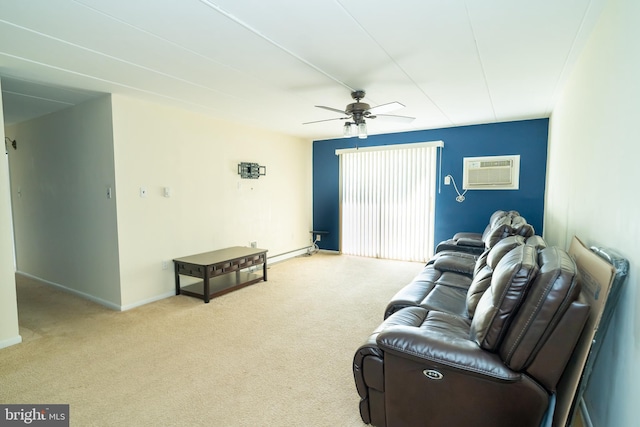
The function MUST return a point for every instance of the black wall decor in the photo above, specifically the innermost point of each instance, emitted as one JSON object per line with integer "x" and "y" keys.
{"x": 251, "y": 170}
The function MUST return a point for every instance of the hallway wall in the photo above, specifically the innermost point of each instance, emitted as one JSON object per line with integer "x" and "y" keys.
{"x": 9, "y": 333}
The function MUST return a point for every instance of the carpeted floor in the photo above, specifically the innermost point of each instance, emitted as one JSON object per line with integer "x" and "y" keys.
{"x": 277, "y": 353}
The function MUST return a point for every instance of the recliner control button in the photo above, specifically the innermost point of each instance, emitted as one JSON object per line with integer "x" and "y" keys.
{"x": 432, "y": 374}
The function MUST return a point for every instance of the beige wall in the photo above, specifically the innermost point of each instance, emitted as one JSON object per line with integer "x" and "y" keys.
{"x": 65, "y": 226}
{"x": 70, "y": 234}
{"x": 592, "y": 181}
{"x": 9, "y": 334}
{"x": 210, "y": 207}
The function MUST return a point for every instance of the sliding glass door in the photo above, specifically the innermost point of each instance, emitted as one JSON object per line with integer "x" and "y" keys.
{"x": 387, "y": 201}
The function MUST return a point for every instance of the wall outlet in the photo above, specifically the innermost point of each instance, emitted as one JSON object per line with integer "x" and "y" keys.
{"x": 143, "y": 191}
{"x": 254, "y": 244}
{"x": 318, "y": 237}
{"x": 447, "y": 180}
{"x": 165, "y": 265}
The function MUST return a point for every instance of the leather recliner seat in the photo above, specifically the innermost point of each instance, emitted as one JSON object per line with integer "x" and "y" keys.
{"x": 427, "y": 367}
{"x": 501, "y": 224}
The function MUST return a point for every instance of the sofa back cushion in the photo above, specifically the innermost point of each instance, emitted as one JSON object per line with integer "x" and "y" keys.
{"x": 484, "y": 269}
{"x": 502, "y": 248}
{"x": 493, "y": 221}
{"x": 537, "y": 242}
{"x": 479, "y": 285}
{"x": 496, "y": 215}
{"x": 524, "y": 230}
{"x": 500, "y": 230}
{"x": 510, "y": 282}
{"x": 504, "y": 226}
{"x": 553, "y": 290}
{"x": 497, "y": 252}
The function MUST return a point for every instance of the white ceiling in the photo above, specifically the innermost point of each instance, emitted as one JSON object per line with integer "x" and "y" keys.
{"x": 267, "y": 63}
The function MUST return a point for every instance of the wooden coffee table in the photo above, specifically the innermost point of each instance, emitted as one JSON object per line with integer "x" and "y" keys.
{"x": 214, "y": 269}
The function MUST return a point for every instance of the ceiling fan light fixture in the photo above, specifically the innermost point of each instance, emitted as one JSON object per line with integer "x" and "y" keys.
{"x": 346, "y": 130}
{"x": 358, "y": 111}
{"x": 362, "y": 130}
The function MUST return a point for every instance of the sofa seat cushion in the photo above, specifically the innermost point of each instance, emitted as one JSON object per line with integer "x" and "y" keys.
{"x": 454, "y": 280}
{"x": 411, "y": 295}
{"x": 447, "y": 299}
{"x": 418, "y": 292}
{"x": 427, "y": 274}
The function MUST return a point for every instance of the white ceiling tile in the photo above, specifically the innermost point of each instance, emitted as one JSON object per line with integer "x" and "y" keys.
{"x": 268, "y": 63}
{"x": 524, "y": 48}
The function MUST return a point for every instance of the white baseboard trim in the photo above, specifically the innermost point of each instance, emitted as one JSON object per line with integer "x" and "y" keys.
{"x": 84, "y": 295}
{"x": 147, "y": 301}
{"x": 109, "y": 304}
{"x": 274, "y": 259}
{"x": 11, "y": 341}
{"x": 288, "y": 255}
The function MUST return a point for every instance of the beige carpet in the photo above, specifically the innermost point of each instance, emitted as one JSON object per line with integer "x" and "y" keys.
{"x": 277, "y": 353}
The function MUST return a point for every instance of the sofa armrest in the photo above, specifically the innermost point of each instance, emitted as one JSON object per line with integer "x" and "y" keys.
{"x": 455, "y": 264}
{"x": 368, "y": 369}
{"x": 452, "y": 245}
{"x": 467, "y": 235}
{"x": 470, "y": 242}
{"x": 443, "y": 339}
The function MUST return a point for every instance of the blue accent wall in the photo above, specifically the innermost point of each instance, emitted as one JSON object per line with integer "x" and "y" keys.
{"x": 527, "y": 138}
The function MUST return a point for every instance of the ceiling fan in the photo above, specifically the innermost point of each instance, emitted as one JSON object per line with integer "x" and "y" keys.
{"x": 357, "y": 112}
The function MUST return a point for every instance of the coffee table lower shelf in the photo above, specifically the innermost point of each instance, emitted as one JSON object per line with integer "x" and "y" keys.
{"x": 221, "y": 285}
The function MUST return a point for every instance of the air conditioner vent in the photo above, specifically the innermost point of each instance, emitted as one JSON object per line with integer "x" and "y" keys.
{"x": 491, "y": 173}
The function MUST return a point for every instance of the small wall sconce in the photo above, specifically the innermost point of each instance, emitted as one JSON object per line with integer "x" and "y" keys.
{"x": 251, "y": 170}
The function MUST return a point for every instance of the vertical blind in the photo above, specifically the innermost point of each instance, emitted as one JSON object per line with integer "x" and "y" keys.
{"x": 387, "y": 201}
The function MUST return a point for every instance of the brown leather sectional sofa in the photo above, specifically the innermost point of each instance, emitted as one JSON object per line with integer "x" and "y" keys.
{"x": 474, "y": 340}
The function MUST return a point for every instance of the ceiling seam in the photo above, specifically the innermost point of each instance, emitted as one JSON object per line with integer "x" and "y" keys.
{"x": 142, "y": 67}
{"x": 36, "y": 97}
{"x": 76, "y": 73}
{"x": 177, "y": 45}
{"x": 273, "y": 42}
{"x": 395, "y": 62}
{"x": 554, "y": 93}
{"x": 484, "y": 74}
{"x": 75, "y": 91}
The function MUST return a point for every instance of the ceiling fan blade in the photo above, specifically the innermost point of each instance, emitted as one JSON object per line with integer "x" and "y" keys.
{"x": 327, "y": 120}
{"x": 335, "y": 110}
{"x": 403, "y": 119}
{"x": 386, "y": 108}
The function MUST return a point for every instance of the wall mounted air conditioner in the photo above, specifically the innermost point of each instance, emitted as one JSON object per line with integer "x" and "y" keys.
{"x": 491, "y": 173}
